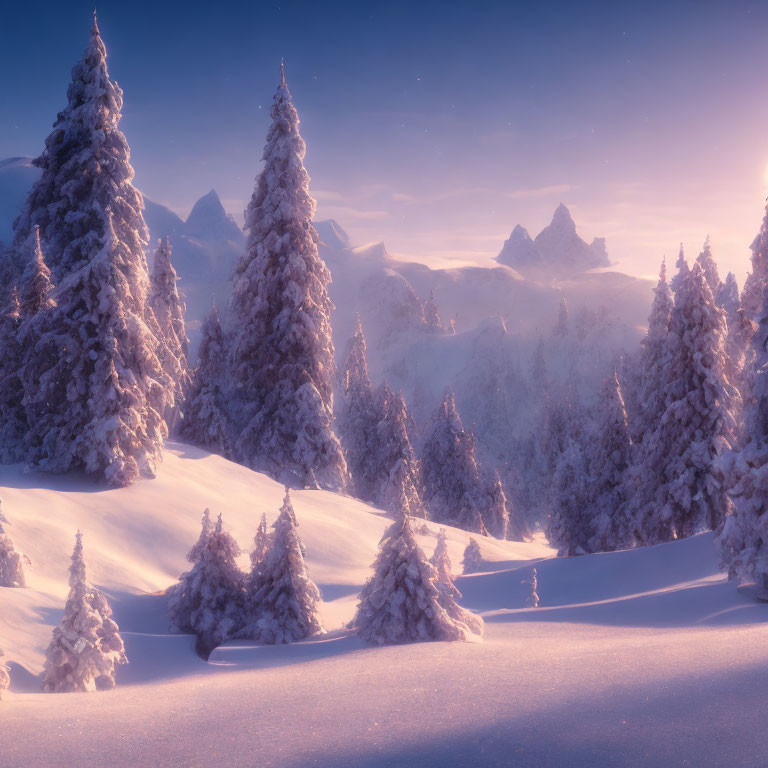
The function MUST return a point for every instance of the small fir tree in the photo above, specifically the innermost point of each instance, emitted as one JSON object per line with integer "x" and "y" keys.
{"x": 727, "y": 296}
{"x": 205, "y": 416}
{"x": 398, "y": 472}
{"x": 261, "y": 544}
{"x": 432, "y": 314}
{"x": 5, "y": 675}
{"x": 683, "y": 270}
{"x": 532, "y": 601}
{"x": 402, "y": 602}
{"x": 11, "y": 564}
{"x": 208, "y": 599}
{"x": 86, "y": 646}
{"x": 709, "y": 267}
{"x": 452, "y": 485}
{"x": 441, "y": 560}
{"x": 358, "y": 418}
{"x": 561, "y": 326}
{"x": 282, "y": 600}
{"x": 473, "y": 559}
{"x": 168, "y": 309}
{"x": 13, "y": 420}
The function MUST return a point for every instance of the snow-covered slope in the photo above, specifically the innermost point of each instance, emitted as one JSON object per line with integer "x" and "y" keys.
{"x": 649, "y": 649}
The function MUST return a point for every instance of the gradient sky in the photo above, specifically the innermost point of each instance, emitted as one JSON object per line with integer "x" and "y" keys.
{"x": 435, "y": 126}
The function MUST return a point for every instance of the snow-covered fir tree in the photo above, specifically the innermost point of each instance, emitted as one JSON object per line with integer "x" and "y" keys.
{"x": 496, "y": 515}
{"x": 473, "y": 559}
{"x": 683, "y": 270}
{"x": 168, "y": 309}
{"x": 450, "y": 476}
{"x": 568, "y": 528}
{"x": 86, "y": 645}
{"x": 432, "y": 314}
{"x": 743, "y": 542}
{"x": 398, "y": 472}
{"x": 754, "y": 286}
{"x": 35, "y": 286}
{"x": 282, "y": 352}
{"x": 539, "y": 374}
{"x": 261, "y": 544}
{"x": 653, "y": 371}
{"x": 709, "y": 267}
{"x": 358, "y": 418}
{"x": 609, "y": 459}
{"x": 105, "y": 417}
{"x": 727, "y": 296}
{"x": 561, "y": 326}
{"x": 208, "y": 599}
{"x": 205, "y": 411}
{"x": 402, "y": 602}
{"x": 5, "y": 675}
{"x": 281, "y": 601}
{"x": 441, "y": 560}
{"x": 11, "y": 564}
{"x": 679, "y": 458}
{"x": 532, "y": 601}
{"x": 13, "y": 420}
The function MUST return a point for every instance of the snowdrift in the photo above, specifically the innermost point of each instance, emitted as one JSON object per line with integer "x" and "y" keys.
{"x": 651, "y": 648}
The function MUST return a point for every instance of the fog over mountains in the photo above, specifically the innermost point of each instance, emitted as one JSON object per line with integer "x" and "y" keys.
{"x": 491, "y": 319}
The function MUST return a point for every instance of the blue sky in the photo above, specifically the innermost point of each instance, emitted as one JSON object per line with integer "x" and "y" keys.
{"x": 435, "y": 126}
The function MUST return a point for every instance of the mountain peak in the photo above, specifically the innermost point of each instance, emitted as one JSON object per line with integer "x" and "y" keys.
{"x": 208, "y": 220}
{"x": 562, "y": 218}
{"x": 556, "y": 251}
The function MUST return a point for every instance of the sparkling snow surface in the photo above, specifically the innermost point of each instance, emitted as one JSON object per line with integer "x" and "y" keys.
{"x": 640, "y": 658}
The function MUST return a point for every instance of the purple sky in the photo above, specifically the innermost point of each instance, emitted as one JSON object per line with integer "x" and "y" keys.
{"x": 436, "y": 126}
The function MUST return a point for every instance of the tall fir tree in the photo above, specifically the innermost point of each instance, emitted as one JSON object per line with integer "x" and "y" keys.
{"x": 398, "y": 474}
{"x": 86, "y": 645}
{"x": 358, "y": 419}
{"x": 281, "y": 601}
{"x": 754, "y": 286}
{"x": 282, "y": 352}
{"x": 709, "y": 267}
{"x": 697, "y": 425}
{"x": 452, "y": 484}
{"x": 743, "y": 541}
{"x": 13, "y": 420}
{"x": 168, "y": 309}
{"x": 402, "y": 602}
{"x": 207, "y": 601}
{"x": 205, "y": 410}
{"x": 609, "y": 459}
{"x": 568, "y": 527}
{"x": 106, "y": 416}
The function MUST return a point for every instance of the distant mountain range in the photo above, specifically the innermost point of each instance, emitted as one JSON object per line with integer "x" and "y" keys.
{"x": 557, "y": 250}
